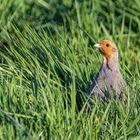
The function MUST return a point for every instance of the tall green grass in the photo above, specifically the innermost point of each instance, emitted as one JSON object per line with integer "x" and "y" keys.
{"x": 47, "y": 63}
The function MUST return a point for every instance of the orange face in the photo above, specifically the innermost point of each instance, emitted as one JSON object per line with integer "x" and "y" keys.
{"x": 107, "y": 48}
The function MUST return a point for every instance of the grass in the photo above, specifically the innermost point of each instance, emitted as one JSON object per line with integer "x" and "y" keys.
{"x": 47, "y": 62}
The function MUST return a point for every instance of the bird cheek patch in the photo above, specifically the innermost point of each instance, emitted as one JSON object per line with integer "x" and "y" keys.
{"x": 114, "y": 50}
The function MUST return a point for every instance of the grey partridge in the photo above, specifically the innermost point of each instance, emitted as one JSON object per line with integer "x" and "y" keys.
{"x": 109, "y": 79}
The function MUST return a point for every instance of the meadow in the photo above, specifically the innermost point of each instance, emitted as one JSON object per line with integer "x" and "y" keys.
{"x": 47, "y": 63}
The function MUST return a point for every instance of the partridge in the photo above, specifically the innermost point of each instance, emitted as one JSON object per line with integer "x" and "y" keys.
{"x": 109, "y": 79}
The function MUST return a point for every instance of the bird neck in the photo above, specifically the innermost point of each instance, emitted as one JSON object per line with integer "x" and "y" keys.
{"x": 112, "y": 63}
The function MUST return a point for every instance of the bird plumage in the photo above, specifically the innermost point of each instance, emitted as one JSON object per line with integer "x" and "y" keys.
{"x": 109, "y": 78}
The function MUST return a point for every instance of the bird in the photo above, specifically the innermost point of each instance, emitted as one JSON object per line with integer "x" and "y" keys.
{"x": 109, "y": 80}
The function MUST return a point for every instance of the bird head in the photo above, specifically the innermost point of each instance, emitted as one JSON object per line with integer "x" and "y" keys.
{"x": 108, "y": 49}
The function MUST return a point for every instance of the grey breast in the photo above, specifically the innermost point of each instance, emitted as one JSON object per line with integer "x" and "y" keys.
{"x": 108, "y": 81}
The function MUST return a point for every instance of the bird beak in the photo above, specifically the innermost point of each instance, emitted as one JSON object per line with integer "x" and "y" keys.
{"x": 97, "y": 45}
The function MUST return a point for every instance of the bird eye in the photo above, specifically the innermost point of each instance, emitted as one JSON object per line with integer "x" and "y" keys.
{"x": 107, "y": 45}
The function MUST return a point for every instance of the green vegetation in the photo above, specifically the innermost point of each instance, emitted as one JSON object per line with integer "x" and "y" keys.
{"x": 47, "y": 60}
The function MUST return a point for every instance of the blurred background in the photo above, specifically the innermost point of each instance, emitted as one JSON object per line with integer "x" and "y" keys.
{"x": 113, "y": 17}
